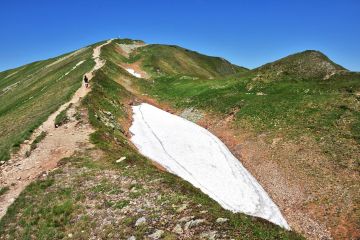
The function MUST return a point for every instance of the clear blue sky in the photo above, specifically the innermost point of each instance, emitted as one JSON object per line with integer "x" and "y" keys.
{"x": 248, "y": 33}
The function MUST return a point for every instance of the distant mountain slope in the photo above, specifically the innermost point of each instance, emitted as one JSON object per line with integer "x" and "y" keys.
{"x": 309, "y": 64}
{"x": 172, "y": 60}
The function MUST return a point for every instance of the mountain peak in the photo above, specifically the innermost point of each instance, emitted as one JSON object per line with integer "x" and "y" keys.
{"x": 309, "y": 64}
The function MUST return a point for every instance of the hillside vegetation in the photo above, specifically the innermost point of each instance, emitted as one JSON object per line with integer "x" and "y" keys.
{"x": 29, "y": 94}
{"x": 173, "y": 60}
{"x": 310, "y": 64}
{"x": 327, "y": 110}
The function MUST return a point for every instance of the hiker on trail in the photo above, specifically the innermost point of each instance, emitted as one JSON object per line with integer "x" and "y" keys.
{"x": 86, "y": 81}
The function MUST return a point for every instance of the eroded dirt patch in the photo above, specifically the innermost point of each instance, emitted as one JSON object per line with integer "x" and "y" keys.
{"x": 315, "y": 197}
{"x": 60, "y": 142}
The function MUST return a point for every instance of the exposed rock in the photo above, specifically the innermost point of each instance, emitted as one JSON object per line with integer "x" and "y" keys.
{"x": 211, "y": 235}
{"x": 132, "y": 238}
{"x": 140, "y": 221}
{"x": 157, "y": 234}
{"x": 108, "y": 113}
{"x": 120, "y": 159}
{"x": 128, "y": 48}
{"x": 192, "y": 114}
{"x": 182, "y": 208}
{"x": 193, "y": 223}
{"x": 275, "y": 141}
{"x": 186, "y": 219}
{"x": 178, "y": 229}
{"x": 221, "y": 220}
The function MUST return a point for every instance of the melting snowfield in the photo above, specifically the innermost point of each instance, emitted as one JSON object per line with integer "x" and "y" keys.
{"x": 199, "y": 157}
{"x": 132, "y": 72}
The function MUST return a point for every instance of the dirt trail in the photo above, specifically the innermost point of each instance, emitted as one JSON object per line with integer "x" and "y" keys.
{"x": 60, "y": 142}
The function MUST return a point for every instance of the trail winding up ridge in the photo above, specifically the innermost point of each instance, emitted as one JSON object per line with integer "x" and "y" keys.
{"x": 59, "y": 143}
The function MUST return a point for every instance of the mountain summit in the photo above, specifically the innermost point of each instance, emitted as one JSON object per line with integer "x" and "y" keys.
{"x": 309, "y": 64}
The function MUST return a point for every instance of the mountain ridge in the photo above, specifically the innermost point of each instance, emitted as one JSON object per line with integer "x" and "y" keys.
{"x": 308, "y": 64}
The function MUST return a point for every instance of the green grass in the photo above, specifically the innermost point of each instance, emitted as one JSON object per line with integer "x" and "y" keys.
{"x": 172, "y": 60}
{"x": 62, "y": 117}
{"x": 36, "y": 91}
{"x": 44, "y": 221}
{"x": 308, "y": 64}
{"x": 3, "y": 190}
{"x": 325, "y": 110}
{"x": 37, "y": 140}
{"x": 34, "y": 144}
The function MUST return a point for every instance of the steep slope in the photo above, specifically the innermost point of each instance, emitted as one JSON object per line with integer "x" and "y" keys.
{"x": 309, "y": 64}
{"x": 110, "y": 191}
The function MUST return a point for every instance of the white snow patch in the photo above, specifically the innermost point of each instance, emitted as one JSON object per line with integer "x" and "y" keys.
{"x": 74, "y": 67}
{"x": 10, "y": 87}
{"x": 132, "y": 72}
{"x": 196, "y": 155}
{"x": 11, "y": 74}
{"x": 67, "y": 73}
{"x": 66, "y": 57}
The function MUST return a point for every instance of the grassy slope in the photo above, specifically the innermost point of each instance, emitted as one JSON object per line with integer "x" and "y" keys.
{"x": 56, "y": 206}
{"x": 36, "y": 90}
{"x": 171, "y": 60}
{"x": 326, "y": 110}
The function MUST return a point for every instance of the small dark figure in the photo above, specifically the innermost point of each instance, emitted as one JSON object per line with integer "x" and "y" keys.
{"x": 86, "y": 81}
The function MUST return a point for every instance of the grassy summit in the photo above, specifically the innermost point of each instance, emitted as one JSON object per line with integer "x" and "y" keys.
{"x": 309, "y": 64}
{"x": 173, "y": 60}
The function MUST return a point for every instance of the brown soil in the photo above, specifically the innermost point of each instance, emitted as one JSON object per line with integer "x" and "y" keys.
{"x": 315, "y": 197}
{"x": 59, "y": 143}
